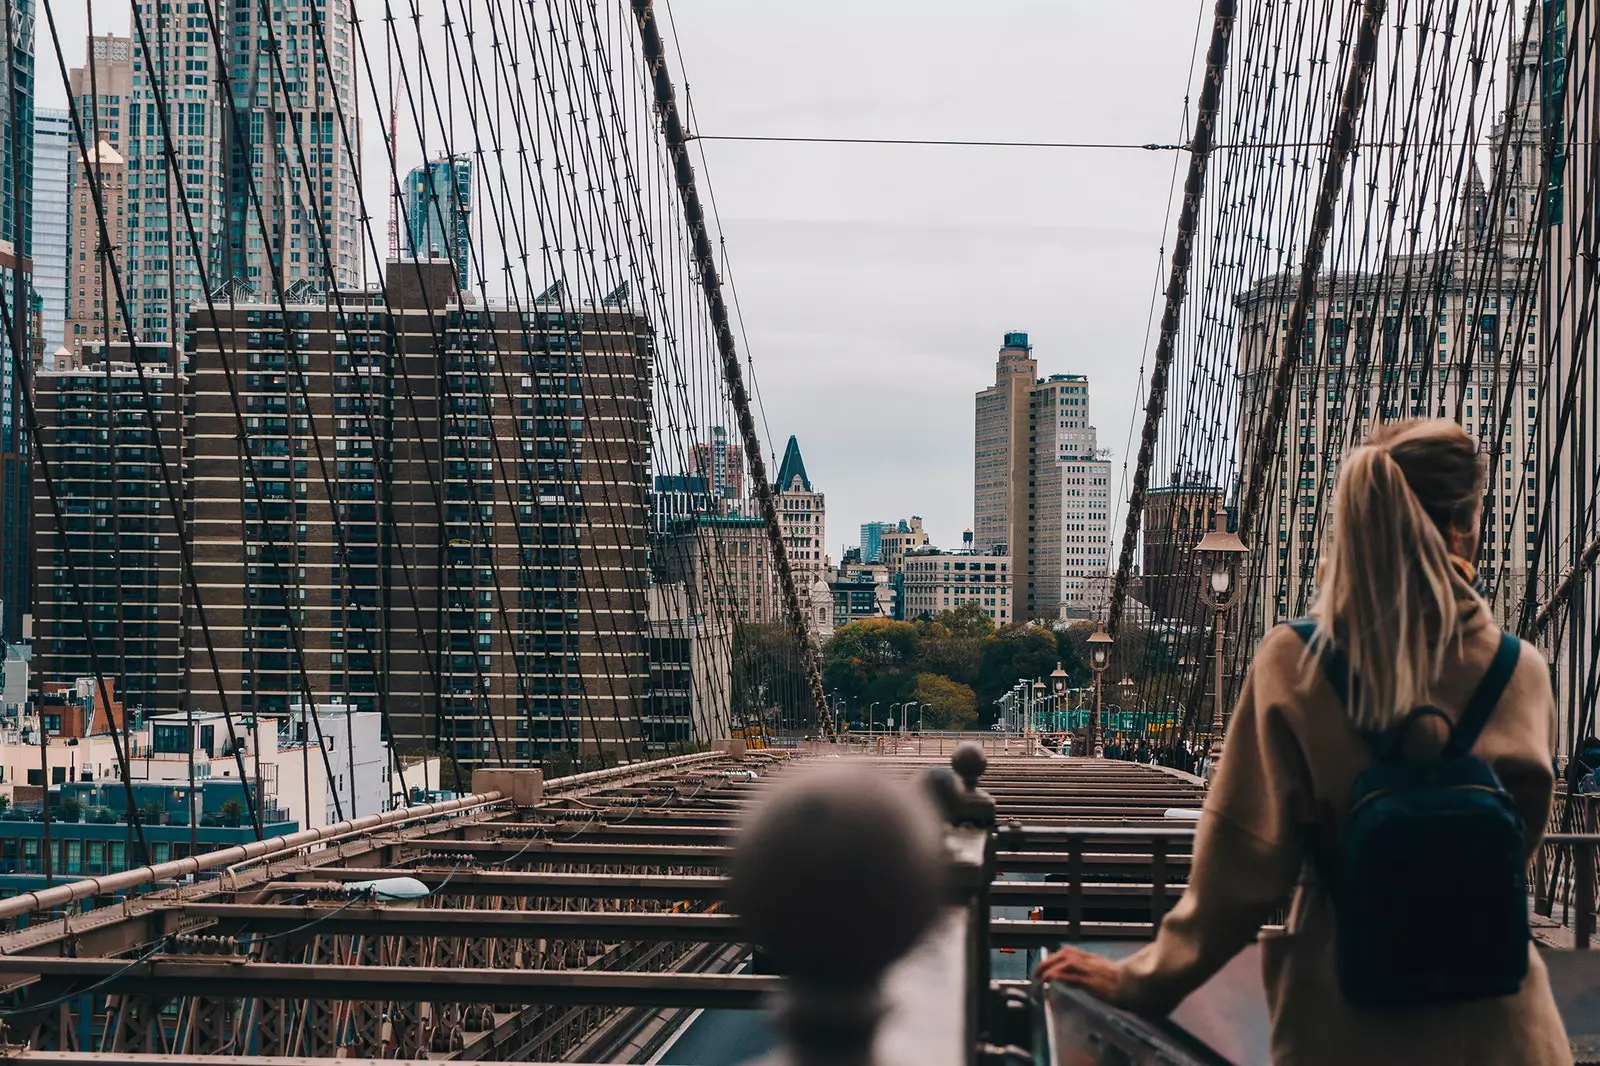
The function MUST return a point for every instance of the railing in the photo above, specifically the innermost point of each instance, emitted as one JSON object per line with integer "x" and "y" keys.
{"x": 1563, "y": 879}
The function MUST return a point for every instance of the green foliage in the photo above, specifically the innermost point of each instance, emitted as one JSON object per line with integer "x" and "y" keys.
{"x": 152, "y": 812}
{"x": 1022, "y": 650}
{"x": 943, "y": 703}
{"x": 861, "y": 653}
{"x": 70, "y": 809}
{"x": 231, "y": 808}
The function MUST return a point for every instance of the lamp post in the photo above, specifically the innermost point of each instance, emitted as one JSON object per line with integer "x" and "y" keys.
{"x": 1100, "y": 643}
{"x": 1033, "y": 708}
{"x": 1221, "y": 551}
{"x": 1058, "y": 689}
{"x": 870, "y": 710}
{"x": 905, "y": 715}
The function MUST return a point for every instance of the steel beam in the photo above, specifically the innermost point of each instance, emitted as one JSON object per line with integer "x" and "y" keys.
{"x": 436, "y": 921}
{"x": 207, "y": 975}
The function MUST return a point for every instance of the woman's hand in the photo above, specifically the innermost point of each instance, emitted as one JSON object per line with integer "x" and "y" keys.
{"x": 1095, "y": 974}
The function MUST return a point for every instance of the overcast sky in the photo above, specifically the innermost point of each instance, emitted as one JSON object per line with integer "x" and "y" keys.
{"x": 876, "y": 282}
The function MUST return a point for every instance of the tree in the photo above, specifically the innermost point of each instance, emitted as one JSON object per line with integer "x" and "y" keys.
{"x": 1018, "y": 651}
{"x": 861, "y": 653}
{"x": 943, "y": 703}
{"x": 952, "y": 643}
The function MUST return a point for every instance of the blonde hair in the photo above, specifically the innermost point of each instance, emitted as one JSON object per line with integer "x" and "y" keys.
{"x": 1388, "y": 597}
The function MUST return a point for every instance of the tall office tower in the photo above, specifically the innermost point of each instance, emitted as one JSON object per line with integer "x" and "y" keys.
{"x": 293, "y": 213}
{"x": 107, "y": 580}
{"x": 803, "y": 514}
{"x": 102, "y": 90}
{"x": 174, "y": 252}
{"x": 1445, "y": 334}
{"x": 439, "y": 213}
{"x": 872, "y": 540}
{"x": 722, "y": 463}
{"x": 52, "y": 169}
{"x": 16, "y": 283}
{"x": 90, "y": 286}
{"x": 1041, "y": 485}
{"x": 407, "y": 529}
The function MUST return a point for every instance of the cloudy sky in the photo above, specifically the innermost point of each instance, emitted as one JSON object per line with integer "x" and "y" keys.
{"x": 876, "y": 282}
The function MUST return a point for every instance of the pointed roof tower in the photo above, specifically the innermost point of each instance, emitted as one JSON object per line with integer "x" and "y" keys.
{"x": 792, "y": 467}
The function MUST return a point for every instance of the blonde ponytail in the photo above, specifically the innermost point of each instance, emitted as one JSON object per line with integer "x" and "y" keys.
{"x": 1388, "y": 596}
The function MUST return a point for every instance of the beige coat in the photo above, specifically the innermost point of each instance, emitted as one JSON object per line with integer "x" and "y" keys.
{"x": 1290, "y": 759}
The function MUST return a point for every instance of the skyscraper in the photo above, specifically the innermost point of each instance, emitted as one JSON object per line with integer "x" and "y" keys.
{"x": 89, "y": 280}
{"x": 102, "y": 90}
{"x": 722, "y": 463}
{"x": 293, "y": 213}
{"x": 107, "y": 432}
{"x": 872, "y": 540}
{"x": 1041, "y": 485}
{"x": 102, "y": 95}
{"x": 174, "y": 91}
{"x": 421, "y": 541}
{"x": 16, "y": 282}
{"x": 439, "y": 213}
{"x": 52, "y": 169}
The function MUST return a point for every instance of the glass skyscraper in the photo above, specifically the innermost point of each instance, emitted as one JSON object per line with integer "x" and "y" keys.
{"x": 439, "y": 212}
{"x": 52, "y": 167}
{"x": 16, "y": 175}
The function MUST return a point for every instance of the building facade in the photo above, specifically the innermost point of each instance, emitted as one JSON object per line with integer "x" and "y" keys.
{"x": 725, "y": 564}
{"x": 803, "y": 514}
{"x": 403, "y": 533}
{"x": 872, "y": 540}
{"x": 1562, "y": 78}
{"x": 1041, "y": 484}
{"x": 690, "y": 697}
{"x": 168, "y": 269}
{"x": 674, "y": 498}
{"x": 16, "y": 284}
{"x": 937, "y": 581}
{"x": 293, "y": 210}
{"x": 905, "y": 536}
{"x": 52, "y": 168}
{"x": 1412, "y": 341}
{"x": 721, "y": 463}
{"x": 102, "y": 90}
{"x": 92, "y": 294}
{"x": 439, "y": 213}
{"x": 1176, "y": 516}
{"x": 108, "y": 594}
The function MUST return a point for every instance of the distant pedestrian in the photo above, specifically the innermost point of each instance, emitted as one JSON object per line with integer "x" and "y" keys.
{"x": 1404, "y": 654}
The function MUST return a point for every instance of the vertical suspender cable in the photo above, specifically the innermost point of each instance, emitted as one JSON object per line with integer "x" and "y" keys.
{"x": 1188, "y": 218}
{"x": 706, "y": 267}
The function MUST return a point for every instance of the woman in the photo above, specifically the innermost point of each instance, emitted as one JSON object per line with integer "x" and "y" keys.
{"x": 1396, "y": 596}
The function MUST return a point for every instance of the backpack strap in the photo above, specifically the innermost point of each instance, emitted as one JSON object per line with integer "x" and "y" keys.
{"x": 1486, "y": 698}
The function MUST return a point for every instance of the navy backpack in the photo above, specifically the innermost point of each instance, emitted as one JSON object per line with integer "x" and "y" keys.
{"x": 1429, "y": 881}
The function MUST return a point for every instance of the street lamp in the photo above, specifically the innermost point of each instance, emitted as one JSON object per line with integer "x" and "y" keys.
{"x": 1033, "y": 708}
{"x": 1222, "y": 552}
{"x": 905, "y": 715}
{"x": 1058, "y": 689}
{"x": 1100, "y": 644}
{"x": 870, "y": 710}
